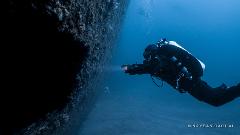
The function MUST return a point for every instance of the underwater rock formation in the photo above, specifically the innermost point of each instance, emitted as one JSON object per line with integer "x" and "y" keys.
{"x": 53, "y": 51}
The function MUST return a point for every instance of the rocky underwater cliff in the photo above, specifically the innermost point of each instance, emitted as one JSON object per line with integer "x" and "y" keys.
{"x": 53, "y": 55}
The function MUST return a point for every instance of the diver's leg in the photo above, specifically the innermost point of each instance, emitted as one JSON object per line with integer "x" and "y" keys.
{"x": 214, "y": 96}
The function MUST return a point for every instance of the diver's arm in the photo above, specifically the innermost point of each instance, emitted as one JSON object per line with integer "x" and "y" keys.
{"x": 148, "y": 67}
{"x": 135, "y": 69}
{"x": 214, "y": 96}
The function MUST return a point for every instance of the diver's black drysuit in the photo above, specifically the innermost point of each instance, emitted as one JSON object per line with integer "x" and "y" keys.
{"x": 173, "y": 64}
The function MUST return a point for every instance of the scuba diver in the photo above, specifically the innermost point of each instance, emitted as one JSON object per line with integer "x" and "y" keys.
{"x": 169, "y": 62}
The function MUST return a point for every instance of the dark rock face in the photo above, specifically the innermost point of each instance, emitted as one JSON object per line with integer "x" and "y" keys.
{"x": 52, "y": 49}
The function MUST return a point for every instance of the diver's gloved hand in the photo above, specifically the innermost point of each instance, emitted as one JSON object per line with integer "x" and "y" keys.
{"x": 125, "y": 68}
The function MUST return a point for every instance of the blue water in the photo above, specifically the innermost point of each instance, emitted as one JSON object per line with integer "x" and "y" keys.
{"x": 133, "y": 105}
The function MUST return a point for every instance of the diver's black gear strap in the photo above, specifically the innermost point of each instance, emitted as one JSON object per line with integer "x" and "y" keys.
{"x": 214, "y": 96}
